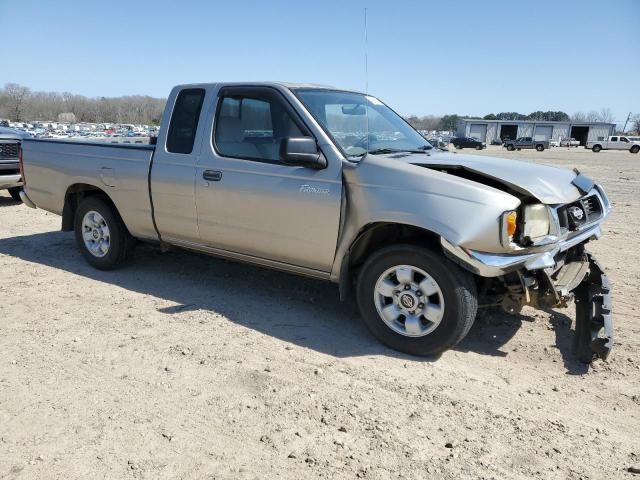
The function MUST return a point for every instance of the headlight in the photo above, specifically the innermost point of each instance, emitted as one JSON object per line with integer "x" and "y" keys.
{"x": 536, "y": 222}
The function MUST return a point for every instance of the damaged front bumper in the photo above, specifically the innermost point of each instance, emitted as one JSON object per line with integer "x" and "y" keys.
{"x": 552, "y": 279}
{"x": 594, "y": 322}
{"x": 497, "y": 265}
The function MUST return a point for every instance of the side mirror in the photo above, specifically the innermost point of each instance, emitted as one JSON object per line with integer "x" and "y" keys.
{"x": 301, "y": 152}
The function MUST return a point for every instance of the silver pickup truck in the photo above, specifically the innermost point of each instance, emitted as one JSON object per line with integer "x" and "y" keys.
{"x": 335, "y": 185}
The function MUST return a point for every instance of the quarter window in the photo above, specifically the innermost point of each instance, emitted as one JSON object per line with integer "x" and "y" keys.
{"x": 184, "y": 121}
{"x": 253, "y": 127}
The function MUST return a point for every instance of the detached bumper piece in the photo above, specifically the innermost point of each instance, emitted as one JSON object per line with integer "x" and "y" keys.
{"x": 594, "y": 323}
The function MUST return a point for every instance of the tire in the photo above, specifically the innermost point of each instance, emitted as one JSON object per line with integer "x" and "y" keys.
{"x": 456, "y": 297}
{"x": 596, "y": 148}
{"x": 479, "y": 147}
{"x": 15, "y": 193}
{"x": 458, "y": 146}
{"x": 113, "y": 245}
{"x": 519, "y": 149}
{"x": 540, "y": 148}
{"x": 635, "y": 149}
{"x": 510, "y": 148}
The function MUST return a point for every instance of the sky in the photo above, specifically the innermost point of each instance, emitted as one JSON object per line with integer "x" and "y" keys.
{"x": 423, "y": 57}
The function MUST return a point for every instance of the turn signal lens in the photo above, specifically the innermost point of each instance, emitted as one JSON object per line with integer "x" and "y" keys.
{"x": 512, "y": 218}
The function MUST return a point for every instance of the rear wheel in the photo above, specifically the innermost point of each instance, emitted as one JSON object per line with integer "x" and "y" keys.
{"x": 540, "y": 148}
{"x": 510, "y": 148}
{"x": 15, "y": 193}
{"x": 478, "y": 147}
{"x": 596, "y": 148}
{"x": 101, "y": 234}
{"x": 458, "y": 146}
{"x": 416, "y": 301}
{"x": 635, "y": 149}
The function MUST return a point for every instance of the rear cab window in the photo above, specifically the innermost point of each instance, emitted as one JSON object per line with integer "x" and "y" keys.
{"x": 184, "y": 120}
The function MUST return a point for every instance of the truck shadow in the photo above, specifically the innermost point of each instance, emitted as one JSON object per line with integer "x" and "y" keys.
{"x": 298, "y": 310}
{"x": 8, "y": 202}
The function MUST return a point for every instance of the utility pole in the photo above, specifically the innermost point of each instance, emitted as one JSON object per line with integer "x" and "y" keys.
{"x": 624, "y": 129}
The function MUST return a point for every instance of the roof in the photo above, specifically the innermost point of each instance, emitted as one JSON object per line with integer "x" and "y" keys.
{"x": 549, "y": 122}
{"x": 11, "y": 133}
{"x": 290, "y": 85}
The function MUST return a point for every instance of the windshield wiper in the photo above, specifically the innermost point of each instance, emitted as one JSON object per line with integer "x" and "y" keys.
{"x": 384, "y": 151}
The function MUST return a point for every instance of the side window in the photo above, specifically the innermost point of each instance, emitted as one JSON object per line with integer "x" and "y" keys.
{"x": 252, "y": 127}
{"x": 614, "y": 139}
{"x": 184, "y": 120}
{"x": 623, "y": 139}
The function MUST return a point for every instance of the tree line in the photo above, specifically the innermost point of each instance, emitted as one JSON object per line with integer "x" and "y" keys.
{"x": 450, "y": 122}
{"x": 19, "y": 104}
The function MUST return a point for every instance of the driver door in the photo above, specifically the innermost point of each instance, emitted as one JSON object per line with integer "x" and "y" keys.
{"x": 249, "y": 202}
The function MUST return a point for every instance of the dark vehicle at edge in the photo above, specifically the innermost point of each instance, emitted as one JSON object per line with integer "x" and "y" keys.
{"x": 466, "y": 142}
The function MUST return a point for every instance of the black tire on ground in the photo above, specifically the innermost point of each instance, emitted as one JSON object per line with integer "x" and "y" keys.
{"x": 479, "y": 147}
{"x": 518, "y": 149}
{"x": 596, "y": 148}
{"x": 15, "y": 193}
{"x": 121, "y": 243}
{"x": 458, "y": 290}
{"x": 458, "y": 146}
{"x": 635, "y": 149}
{"x": 510, "y": 148}
{"x": 540, "y": 148}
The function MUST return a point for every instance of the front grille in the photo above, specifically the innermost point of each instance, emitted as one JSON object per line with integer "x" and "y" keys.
{"x": 582, "y": 212}
{"x": 9, "y": 150}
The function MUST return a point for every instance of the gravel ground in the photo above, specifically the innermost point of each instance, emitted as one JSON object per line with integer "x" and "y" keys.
{"x": 185, "y": 366}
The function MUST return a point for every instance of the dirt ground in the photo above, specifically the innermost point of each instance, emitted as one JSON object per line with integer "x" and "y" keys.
{"x": 185, "y": 366}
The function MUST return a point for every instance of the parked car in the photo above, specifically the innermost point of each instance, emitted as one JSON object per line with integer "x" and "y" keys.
{"x": 10, "y": 176}
{"x": 420, "y": 236}
{"x": 616, "y": 142}
{"x": 467, "y": 142}
{"x": 526, "y": 143}
{"x": 554, "y": 143}
{"x": 569, "y": 142}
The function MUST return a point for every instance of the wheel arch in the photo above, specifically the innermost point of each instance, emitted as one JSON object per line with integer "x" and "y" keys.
{"x": 74, "y": 195}
{"x": 374, "y": 236}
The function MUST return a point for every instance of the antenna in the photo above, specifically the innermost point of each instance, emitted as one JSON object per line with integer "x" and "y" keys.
{"x": 366, "y": 77}
{"x": 366, "y": 59}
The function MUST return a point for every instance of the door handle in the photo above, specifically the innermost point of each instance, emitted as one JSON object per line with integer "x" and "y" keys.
{"x": 212, "y": 175}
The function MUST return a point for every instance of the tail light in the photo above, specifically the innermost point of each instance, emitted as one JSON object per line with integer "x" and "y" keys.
{"x": 24, "y": 179}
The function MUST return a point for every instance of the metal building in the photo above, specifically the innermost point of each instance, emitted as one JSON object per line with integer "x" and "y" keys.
{"x": 500, "y": 130}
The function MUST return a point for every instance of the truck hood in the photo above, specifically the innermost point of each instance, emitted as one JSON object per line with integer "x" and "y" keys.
{"x": 550, "y": 185}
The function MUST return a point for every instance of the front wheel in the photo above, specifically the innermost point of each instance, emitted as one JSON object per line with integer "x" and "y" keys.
{"x": 635, "y": 149}
{"x": 15, "y": 193}
{"x": 596, "y": 148}
{"x": 101, "y": 234}
{"x": 415, "y": 300}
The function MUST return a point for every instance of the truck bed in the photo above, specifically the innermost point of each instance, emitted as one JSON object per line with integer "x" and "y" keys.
{"x": 53, "y": 167}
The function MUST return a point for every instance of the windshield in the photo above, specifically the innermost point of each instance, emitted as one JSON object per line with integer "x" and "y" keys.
{"x": 348, "y": 116}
